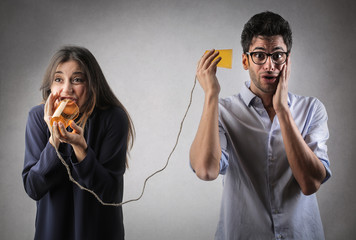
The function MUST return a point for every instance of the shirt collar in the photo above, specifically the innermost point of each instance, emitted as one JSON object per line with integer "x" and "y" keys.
{"x": 248, "y": 96}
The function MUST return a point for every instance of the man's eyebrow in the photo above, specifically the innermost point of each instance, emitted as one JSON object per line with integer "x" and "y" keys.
{"x": 259, "y": 48}
{"x": 274, "y": 49}
{"x": 278, "y": 48}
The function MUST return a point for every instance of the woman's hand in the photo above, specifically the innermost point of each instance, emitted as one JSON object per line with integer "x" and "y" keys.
{"x": 59, "y": 134}
{"x": 75, "y": 138}
{"x": 50, "y": 106}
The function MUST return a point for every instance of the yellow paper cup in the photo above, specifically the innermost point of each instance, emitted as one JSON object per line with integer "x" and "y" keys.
{"x": 226, "y": 58}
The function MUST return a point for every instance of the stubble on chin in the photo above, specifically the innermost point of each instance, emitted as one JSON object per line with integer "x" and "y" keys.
{"x": 267, "y": 88}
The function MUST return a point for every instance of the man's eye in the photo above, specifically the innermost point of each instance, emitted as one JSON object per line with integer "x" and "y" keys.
{"x": 277, "y": 55}
{"x": 259, "y": 55}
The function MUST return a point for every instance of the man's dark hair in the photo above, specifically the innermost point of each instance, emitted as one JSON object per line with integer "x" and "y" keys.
{"x": 266, "y": 24}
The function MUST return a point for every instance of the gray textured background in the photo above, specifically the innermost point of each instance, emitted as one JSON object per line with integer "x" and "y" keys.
{"x": 148, "y": 51}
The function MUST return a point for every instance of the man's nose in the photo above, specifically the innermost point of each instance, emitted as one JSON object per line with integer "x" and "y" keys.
{"x": 269, "y": 64}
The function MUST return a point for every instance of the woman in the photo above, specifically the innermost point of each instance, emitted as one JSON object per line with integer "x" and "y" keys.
{"x": 96, "y": 151}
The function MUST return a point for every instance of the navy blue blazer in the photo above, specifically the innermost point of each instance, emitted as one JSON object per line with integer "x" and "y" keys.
{"x": 63, "y": 210}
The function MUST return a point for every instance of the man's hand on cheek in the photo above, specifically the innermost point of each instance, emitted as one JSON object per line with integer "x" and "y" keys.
{"x": 280, "y": 98}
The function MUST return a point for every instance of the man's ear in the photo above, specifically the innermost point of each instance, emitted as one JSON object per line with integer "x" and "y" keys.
{"x": 245, "y": 62}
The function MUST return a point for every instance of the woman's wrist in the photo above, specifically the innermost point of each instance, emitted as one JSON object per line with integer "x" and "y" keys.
{"x": 80, "y": 151}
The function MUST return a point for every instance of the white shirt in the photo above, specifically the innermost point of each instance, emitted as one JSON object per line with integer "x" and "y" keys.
{"x": 261, "y": 198}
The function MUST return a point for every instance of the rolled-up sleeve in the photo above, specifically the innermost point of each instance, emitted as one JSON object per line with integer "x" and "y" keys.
{"x": 224, "y": 160}
{"x": 318, "y": 134}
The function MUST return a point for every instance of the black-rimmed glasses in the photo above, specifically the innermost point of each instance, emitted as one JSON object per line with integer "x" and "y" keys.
{"x": 260, "y": 58}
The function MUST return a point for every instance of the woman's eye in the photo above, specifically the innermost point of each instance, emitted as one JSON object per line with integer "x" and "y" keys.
{"x": 77, "y": 80}
{"x": 57, "y": 79}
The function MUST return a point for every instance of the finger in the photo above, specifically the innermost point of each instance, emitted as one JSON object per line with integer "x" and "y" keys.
{"x": 208, "y": 54}
{"x": 55, "y": 131}
{"x": 213, "y": 66}
{"x": 205, "y": 57}
{"x": 216, "y": 61}
{"x": 47, "y": 111}
{"x": 49, "y": 106}
{"x": 209, "y": 60}
{"x": 47, "y": 101}
{"x": 283, "y": 82}
{"x": 54, "y": 136}
{"x": 75, "y": 127}
{"x": 202, "y": 59}
{"x": 288, "y": 66}
{"x": 59, "y": 131}
{"x": 283, "y": 74}
{"x": 57, "y": 99}
{"x": 62, "y": 130}
{"x": 48, "y": 119}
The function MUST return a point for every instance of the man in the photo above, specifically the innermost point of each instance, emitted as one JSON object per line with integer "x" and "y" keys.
{"x": 270, "y": 144}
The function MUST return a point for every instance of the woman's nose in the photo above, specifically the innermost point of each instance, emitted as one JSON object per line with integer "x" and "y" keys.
{"x": 67, "y": 87}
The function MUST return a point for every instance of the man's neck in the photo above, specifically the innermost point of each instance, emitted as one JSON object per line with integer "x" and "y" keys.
{"x": 267, "y": 101}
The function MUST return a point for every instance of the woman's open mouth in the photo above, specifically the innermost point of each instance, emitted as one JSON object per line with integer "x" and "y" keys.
{"x": 68, "y": 98}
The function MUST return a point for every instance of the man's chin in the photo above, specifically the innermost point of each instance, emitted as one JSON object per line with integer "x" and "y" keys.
{"x": 269, "y": 88}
